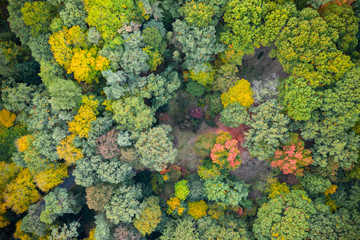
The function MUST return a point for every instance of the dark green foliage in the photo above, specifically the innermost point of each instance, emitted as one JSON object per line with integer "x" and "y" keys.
{"x": 73, "y": 14}
{"x": 195, "y": 89}
{"x": 65, "y": 232}
{"x": 7, "y": 140}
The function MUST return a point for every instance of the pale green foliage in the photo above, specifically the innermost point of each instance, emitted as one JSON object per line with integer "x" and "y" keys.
{"x": 57, "y": 203}
{"x": 123, "y": 139}
{"x": 317, "y": 3}
{"x": 65, "y": 94}
{"x": 17, "y": 25}
{"x": 233, "y": 115}
{"x": 180, "y": 229}
{"x": 285, "y": 216}
{"x": 31, "y": 222}
{"x": 73, "y": 14}
{"x": 66, "y": 232}
{"x": 269, "y": 129}
{"x": 132, "y": 114}
{"x": 298, "y": 98}
{"x": 227, "y": 191}
{"x": 124, "y": 204}
{"x": 113, "y": 171}
{"x": 85, "y": 174}
{"x": 198, "y": 45}
{"x": 93, "y": 36}
{"x": 49, "y": 71}
{"x": 17, "y": 98}
{"x": 102, "y": 230}
{"x": 264, "y": 90}
{"x": 155, "y": 148}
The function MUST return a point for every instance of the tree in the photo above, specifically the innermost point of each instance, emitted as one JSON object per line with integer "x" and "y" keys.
{"x": 51, "y": 177}
{"x": 132, "y": 114}
{"x": 204, "y": 143}
{"x": 65, "y": 94}
{"x": 241, "y": 93}
{"x": 181, "y": 189}
{"x": 285, "y": 216}
{"x": 305, "y": 49}
{"x": 233, "y": 115}
{"x": 181, "y": 228}
{"x": 228, "y": 191}
{"x": 67, "y": 151}
{"x": 66, "y": 232}
{"x": 298, "y": 98}
{"x": 107, "y": 145}
{"x": 243, "y": 25}
{"x": 292, "y": 158}
{"x": 113, "y": 171}
{"x": 150, "y": 217}
{"x": 197, "y": 209}
{"x": 31, "y": 222}
{"x": 198, "y": 44}
{"x": 73, "y": 14}
{"x": 7, "y": 118}
{"x": 225, "y": 152}
{"x": 57, "y": 203}
{"x": 86, "y": 114}
{"x": 125, "y": 231}
{"x": 314, "y": 183}
{"x": 108, "y": 16}
{"x": 269, "y": 129}
{"x": 102, "y": 230}
{"x": 124, "y": 204}
{"x": 155, "y": 148}
{"x": 21, "y": 193}
{"x": 98, "y": 196}
{"x": 37, "y": 15}
{"x": 341, "y": 18}
{"x": 197, "y": 13}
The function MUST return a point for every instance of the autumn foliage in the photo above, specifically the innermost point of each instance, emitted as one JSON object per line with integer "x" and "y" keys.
{"x": 226, "y": 152}
{"x": 86, "y": 114}
{"x": 197, "y": 209}
{"x": 241, "y": 93}
{"x": 67, "y": 151}
{"x": 292, "y": 158}
{"x": 7, "y": 118}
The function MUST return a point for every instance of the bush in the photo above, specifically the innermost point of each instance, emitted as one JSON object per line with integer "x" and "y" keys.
{"x": 204, "y": 143}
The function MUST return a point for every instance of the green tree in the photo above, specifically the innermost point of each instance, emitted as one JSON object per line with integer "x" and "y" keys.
{"x": 197, "y": 13}
{"x": 298, "y": 98}
{"x": 285, "y": 216}
{"x": 182, "y": 228}
{"x": 65, "y": 94}
{"x": 182, "y": 189}
{"x": 102, "y": 230}
{"x": 155, "y": 148}
{"x": 132, "y": 114}
{"x": 58, "y": 203}
{"x": 341, "y": 18}
{"x": 66, "y": 232}
{"x": 37, "y": 15}
{"x": 269, "y": 129}
{"x": 228, "y": 191}
{"x": 305, "y": 49}
{"x": 124, "y": 204}
{"x": 233, "y": 115}
{"x": 149, "y": 219}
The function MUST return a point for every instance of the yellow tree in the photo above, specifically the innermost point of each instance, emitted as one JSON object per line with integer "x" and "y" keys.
{"x": 51, "y": 177}
{"x": 7, "y": 118}
{"x": 21, "y": 192}
{"x": 67, "y": 151}
{"x": 241, "y": 93}
{"x": 86, "y": 114}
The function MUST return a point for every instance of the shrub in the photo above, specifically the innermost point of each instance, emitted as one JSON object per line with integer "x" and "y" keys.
{"x": 204, "y": 143}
